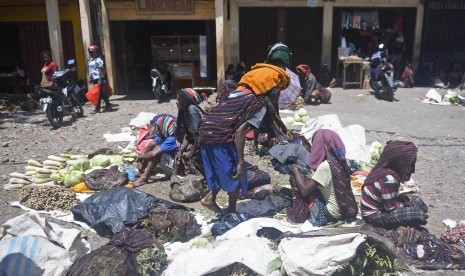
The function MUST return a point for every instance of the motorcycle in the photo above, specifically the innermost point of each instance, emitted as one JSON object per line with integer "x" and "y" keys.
{"x": 382, "y": 76}
{"x": 160, "y": 86}
{"x": 61, "y": 99}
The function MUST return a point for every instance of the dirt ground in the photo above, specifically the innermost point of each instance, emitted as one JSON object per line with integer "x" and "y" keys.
{"x": 439, "y": 135}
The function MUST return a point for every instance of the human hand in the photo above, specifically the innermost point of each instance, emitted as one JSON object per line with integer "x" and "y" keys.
{"x": 240, "y": 172}
{"x": 188, "y": 154}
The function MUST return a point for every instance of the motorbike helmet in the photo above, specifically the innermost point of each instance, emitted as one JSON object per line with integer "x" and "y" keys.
{"x": 93, "y": 48}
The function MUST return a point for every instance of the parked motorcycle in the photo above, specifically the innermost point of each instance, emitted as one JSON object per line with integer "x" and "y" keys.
{"x": 382, "y": 76}
{"x": 160, "y": 86}
{"x": 61, "y": 99}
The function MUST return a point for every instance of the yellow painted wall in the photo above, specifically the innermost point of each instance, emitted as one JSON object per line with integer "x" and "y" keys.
{"x": 38, "y": 13}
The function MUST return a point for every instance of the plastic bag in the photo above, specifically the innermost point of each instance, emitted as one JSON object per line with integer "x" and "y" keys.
{"x": 109, "y": 210}
{"x": 166, "y": 164}
{"x": 93, "y": 94}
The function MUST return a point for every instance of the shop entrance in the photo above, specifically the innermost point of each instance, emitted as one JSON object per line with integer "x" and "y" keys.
{"x": 299, "y": 28}
{"x": 362, "y": 29}
{"x": 139, "y": 46}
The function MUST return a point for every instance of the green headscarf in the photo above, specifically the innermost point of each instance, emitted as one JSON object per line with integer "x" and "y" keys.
{"x": 280, "y": 53}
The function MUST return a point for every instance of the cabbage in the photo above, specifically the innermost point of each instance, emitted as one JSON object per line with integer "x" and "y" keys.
{"x": 100, "y": 160}
{"x": 289, "y": 120}
{"x": 59, "y": 176}
{"x": 304, "y": 118}
{"x": 297, "y": 117}
{"x": 74, "y": 177}
{"x": 302, "y": 112}
{"x": 116, "y": 160}
{"x": 81, "y": 164}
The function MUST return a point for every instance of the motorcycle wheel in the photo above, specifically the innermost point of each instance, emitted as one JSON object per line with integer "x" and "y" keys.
{"x": 372, "y": 85}
{"x": 389, "y": 93}
{"x": 54, "y": 117}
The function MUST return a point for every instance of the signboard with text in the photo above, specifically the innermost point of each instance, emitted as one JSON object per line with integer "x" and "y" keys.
{"x": 165, "y": 6}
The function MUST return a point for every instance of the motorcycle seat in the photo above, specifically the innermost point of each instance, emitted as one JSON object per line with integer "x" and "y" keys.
{"x": 53, "y": 88}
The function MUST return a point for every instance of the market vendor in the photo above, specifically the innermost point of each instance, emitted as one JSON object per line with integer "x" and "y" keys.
{"x": 190, "y": 115}
{"x": 312, "y": 92}
{"x": 381, "y": 204}
{"x": 325, "y": 196}
{"x": 163, "y": 143}
{"x": 222, "y": 131}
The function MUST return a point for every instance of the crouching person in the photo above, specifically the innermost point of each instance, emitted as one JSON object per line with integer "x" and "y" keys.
{"x": 381, "y": 204}
{"x": 163, "y": 143}
{"x": 326, "y": 196}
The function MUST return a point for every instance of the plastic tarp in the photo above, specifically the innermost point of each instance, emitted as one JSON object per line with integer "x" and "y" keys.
{"x": 109, "y": 210}
{"x": 353, "y": 136}
{"x": 318, "y": 255}
{"x": 30, "y": 245}
{"x": 251, "y": 227}
{"x": 213, "y": 257}
{"x": 257, "y": 208}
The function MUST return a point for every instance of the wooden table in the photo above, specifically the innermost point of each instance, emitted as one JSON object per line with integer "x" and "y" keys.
{"x": 345, "y": 64}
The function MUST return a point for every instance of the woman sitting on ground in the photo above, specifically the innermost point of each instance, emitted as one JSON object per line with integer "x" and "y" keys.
{"x": 163, "y": 143}
{"x": 312, "y": 91}
{"x": 381, "y": 204}
{"x": 327, "y": 196}
{"x": 189, "y": 118}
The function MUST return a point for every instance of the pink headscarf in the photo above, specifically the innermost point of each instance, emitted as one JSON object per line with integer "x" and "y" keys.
{"x": 329, "y": 139}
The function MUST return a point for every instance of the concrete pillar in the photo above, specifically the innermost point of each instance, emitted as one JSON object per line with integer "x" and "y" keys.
{"x": 86, "y": 27}
{"x": 327, "y": 33}
{"x": 234, "y": 32}
{"x": 107, "y": 44}
{"x": 418, "y": 36}
{"x": 219, "y": 17}
{"x": 54, "y": 30}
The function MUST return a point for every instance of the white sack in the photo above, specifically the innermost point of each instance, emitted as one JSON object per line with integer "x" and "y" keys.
{"x": 254, "y": 252}
{"x": 318, "y": 255}
{"x": 33, "y": 246}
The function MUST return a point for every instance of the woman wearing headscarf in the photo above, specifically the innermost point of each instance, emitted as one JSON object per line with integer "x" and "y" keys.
{"x": 381, "y": 204}
{"x": 188, "y": 124}
{"x": 163, "y": 143}
{"x": 222, "y": 132}
{"x": 326, "y": 196}
{"x": 313, "y": 92}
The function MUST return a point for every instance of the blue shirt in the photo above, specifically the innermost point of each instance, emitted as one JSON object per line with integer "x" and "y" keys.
{"x": 167, "y": 145}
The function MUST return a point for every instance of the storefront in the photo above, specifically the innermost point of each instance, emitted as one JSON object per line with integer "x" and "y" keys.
{"x": 24, "y": 29}
{"x": 443, "y": 39}
{"x": 363, "y": 29}
{"x": 178, "y": 35}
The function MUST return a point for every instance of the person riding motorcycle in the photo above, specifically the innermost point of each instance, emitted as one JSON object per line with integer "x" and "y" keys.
{"x": 376, "y": 59}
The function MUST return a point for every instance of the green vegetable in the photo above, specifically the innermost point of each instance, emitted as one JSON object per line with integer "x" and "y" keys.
{"x": 100, "y": 160}
{"x": 117, "y": 160}
{"x": 32, "y": 162}
{"x": 59, "y": 176}
{"x": 74, "y": 177}
{"x": 302, "y": 112}
{"x": 81, "y": 164}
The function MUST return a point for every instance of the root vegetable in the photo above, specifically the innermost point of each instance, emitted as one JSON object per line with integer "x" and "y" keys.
{"x": 32, "y": 162}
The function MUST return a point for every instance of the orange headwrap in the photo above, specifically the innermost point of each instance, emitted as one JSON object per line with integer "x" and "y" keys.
{"x": 263, "y": 77}
{"x": 303, "y": 69}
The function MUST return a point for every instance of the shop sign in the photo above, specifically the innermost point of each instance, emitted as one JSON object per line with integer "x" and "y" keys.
{"x": 165, "y": 6}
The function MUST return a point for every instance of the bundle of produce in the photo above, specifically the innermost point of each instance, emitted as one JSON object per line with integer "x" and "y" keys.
{"x": 47, "y": 198}
{"x": 17, "y": 181}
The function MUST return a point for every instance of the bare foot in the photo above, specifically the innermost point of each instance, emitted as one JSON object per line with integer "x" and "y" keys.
{"x": 141, "y": 181}
{"x": 207, "y": 202}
